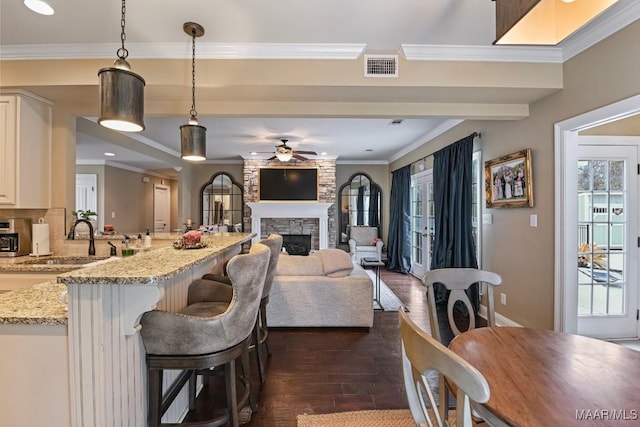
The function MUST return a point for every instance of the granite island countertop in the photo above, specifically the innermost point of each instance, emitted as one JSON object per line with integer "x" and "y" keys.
{"x": 154, "y": 266}
{"x": 27, "y": 264}
{"x": 41, "y": 304}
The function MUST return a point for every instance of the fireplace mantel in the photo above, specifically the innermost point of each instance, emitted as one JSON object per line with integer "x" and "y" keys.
{"x": 262, "y": 210}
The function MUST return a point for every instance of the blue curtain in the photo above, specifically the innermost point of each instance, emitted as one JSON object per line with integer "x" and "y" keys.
{"x": 360, "y": 206}
{"x": 452, "y": 192}
{"x": 374, "y": 202}
{"x": 399, "y": 246}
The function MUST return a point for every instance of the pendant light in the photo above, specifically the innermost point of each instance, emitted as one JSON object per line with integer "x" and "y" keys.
{"x": 193, "y": 137}
{"x": 121, "y": 92}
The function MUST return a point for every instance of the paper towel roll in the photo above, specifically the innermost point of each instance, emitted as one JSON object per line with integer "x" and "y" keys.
{"x": 40, "y": 239}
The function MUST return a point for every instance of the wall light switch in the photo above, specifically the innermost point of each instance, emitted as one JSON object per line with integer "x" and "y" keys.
{"x": 533, "y": 220}
{"x": 503, "y": 298}
{"x": 113, "y": 214}
{"x": 487, "y": 218}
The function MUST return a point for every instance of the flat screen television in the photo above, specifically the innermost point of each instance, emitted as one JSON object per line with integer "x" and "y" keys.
{"x": 288, "y": 184}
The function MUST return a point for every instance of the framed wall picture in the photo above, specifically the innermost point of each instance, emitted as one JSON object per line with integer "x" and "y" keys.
{"x": 509, "y": 181}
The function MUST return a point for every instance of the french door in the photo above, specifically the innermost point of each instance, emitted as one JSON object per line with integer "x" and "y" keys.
{"x": 422, "y": 222}
{"x": 608, "y": 239}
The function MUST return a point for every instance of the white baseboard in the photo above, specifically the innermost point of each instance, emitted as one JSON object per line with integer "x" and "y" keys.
{"x": 500, "y": 319}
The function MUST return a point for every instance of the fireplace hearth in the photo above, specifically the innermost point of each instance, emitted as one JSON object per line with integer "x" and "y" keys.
{"x": 297, "y": 244}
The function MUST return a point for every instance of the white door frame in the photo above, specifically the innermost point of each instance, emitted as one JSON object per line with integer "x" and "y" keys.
{"x": 155, "y": 206}
{"x": 566, "y": 251}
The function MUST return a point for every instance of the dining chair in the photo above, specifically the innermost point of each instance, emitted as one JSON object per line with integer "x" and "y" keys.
{"x": 457, "y": 281}
{"x": 422, "y": 353}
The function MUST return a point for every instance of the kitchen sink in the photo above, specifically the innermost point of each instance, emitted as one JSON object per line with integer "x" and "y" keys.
{"x": 64, "y": 260}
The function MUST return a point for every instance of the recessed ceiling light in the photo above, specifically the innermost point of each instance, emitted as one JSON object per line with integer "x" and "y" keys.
{"x": 39, "y": 6}
{"x": 396, "y": 121}
{"x": 324, "y": 153}
{"x": 369, "y": 150}
{"x": 253, "y": 153}
{"x": 109, "y": 154}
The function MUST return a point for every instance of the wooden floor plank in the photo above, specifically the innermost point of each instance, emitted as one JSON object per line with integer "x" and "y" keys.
{"x": 323, "y": 370}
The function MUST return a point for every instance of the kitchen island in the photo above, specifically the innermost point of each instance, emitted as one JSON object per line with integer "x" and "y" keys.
{"x": 86, "y": 366}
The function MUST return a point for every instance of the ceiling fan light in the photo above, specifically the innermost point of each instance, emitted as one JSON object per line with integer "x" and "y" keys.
{"x": 39, "y": 6}
{"x": 193, "y": 141}
{"x": 284, "y": 156}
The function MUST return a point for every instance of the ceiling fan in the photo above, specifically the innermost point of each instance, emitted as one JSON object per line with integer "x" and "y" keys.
{"x": 284, "y": 153}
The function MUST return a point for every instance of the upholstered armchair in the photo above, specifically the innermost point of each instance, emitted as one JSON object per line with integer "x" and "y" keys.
{"x": 364, "y": 243}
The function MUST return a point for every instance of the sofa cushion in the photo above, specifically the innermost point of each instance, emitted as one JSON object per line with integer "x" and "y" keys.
{"x": 335, "y": 262}
{"x": 296, "y": 265}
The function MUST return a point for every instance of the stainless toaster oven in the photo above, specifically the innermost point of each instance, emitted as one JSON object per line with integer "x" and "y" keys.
{"x": 15, "y": 237}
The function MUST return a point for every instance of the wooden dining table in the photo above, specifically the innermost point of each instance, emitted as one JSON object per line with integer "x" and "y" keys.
{"x": 547, "y": 378}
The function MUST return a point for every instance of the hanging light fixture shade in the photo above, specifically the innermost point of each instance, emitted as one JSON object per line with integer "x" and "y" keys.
{"x": 193, "y": 137}
{"x": 543, "y": 22}
{"x": 121, "y": 92}
{"x": 193, "y": 140}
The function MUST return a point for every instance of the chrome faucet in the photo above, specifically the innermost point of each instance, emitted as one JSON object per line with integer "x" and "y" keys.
{"x": 72, "y": 235}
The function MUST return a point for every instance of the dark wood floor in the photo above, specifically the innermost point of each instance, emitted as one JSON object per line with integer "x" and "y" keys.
{"x": 323, "y": 370}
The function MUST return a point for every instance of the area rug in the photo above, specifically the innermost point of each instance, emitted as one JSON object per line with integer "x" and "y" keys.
{"x": 387, "y": 418}
{"x": 388, "y": 300}
{"x": 377, "y": 418}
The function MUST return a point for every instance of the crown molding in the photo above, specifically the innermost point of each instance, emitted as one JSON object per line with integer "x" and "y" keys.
{"x": 362, "y": 162}
{"x": 424, "y": 139}
{"x": 612, "y": 20}
{"x": 183, "y": 51}
{"x": 416, "y": 52}
{"x": 117, "y": 165}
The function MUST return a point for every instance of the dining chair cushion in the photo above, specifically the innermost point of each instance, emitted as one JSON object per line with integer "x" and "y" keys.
{"x": 335, "y": 262}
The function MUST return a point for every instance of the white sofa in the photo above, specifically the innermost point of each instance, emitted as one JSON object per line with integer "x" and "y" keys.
{"x": 325, "y": 289}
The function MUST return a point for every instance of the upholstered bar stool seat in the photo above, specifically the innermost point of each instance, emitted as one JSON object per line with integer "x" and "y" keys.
{"x": 205, "y": 335}
{"x": 205, "y": 309}
{"x": 214, "y": 284}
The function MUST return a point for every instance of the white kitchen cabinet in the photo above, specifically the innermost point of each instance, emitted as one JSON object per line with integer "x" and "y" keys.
{"x": 25, "y": 151}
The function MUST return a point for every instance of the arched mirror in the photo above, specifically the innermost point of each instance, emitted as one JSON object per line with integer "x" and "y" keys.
{"x": 360, "y": 204}
{"x": 222, "y": 202}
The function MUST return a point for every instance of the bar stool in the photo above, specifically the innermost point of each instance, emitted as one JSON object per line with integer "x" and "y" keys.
{"x": 205, "y": 335}
{"x": 260, "y": 332}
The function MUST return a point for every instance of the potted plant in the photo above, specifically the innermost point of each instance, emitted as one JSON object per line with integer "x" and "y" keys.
{"x": 82, "y": 214}
{"x": 88, "y": 215}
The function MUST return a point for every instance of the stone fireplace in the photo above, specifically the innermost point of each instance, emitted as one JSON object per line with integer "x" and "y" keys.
{"x": 292, "y": 217}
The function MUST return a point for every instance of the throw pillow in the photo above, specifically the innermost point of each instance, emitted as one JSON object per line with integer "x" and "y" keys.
{"x": 336, "y": 262}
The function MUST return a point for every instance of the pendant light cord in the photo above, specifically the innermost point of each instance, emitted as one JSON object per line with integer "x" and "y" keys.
{"x": 193, "y": 111}
{"x": 122, "y": 52}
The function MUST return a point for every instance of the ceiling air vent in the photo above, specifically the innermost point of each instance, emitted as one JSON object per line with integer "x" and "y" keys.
{"x": 381, "y": 65}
